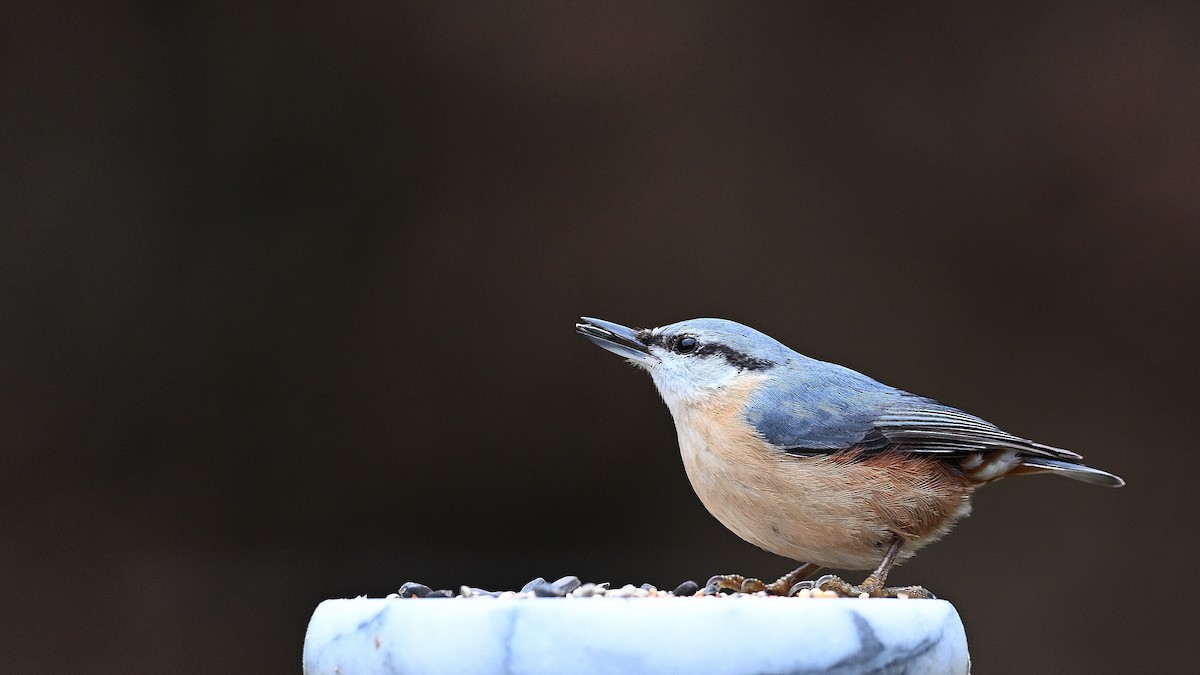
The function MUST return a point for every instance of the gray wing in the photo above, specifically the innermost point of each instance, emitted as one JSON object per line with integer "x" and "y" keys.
{"x": 921, "y": 425}
{"x": 874, "y": 418}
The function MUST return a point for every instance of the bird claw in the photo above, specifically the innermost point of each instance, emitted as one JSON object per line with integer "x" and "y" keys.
{"x": 727, "y": 583}
{"x": 786, "y": 585}
{"x": 733, "y": 583}
{"x": 871, "y": 588}
{"x": 801, "y": 586}
{"x": 736, "y": 583}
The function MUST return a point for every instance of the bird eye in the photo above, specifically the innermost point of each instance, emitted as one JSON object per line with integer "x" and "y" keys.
{"x": 686, "y": 345}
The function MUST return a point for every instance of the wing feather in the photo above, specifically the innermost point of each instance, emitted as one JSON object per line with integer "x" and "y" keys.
{"x": 923, "y": 426}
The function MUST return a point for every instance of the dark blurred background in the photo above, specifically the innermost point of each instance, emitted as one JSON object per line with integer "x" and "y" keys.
{"x": 287, "y": 294}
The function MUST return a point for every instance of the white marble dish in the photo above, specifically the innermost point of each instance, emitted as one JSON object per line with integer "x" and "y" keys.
{"x": 634, "y": 635}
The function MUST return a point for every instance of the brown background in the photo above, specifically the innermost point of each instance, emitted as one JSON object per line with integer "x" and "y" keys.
{"x": 287, "y": 293}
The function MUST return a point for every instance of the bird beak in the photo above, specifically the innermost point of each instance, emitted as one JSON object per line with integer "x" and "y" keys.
{"x": 618, "y": 339}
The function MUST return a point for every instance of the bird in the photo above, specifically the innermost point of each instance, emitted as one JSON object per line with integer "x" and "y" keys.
{"x": 816, "y": 462}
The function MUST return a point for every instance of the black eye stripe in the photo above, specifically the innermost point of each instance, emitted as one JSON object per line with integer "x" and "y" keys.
{"x": 648, "y": 337}
{"x": 736, "y": 358}
{"x": 740, "y": 360}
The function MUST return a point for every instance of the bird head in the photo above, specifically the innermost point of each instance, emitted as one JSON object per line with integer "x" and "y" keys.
{"x": 690, "y": 360}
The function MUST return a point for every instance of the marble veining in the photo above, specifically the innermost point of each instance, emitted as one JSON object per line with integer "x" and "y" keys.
{"x": 634, "y": 635}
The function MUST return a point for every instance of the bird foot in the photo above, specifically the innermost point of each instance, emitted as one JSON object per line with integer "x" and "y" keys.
{"x": 736, "y": 583}
{"x": 786, "y": 585}
{"x": 733, "y": 583}
{"x": 871, "y": 588}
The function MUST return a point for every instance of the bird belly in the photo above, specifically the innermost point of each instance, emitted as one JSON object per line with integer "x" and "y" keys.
{"x": 836, "y": 510}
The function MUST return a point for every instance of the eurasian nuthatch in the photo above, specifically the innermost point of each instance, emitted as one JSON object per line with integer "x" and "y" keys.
{"x": 816, "y": 462}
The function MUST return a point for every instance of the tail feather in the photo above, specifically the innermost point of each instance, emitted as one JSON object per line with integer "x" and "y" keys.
{"x": 1070, "y": 470}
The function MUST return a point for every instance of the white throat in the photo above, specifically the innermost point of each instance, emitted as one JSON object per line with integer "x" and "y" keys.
{"x": 683, "y": 384}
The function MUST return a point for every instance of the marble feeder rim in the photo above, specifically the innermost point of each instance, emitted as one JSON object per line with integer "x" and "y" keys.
{"x": 640, "y": 635}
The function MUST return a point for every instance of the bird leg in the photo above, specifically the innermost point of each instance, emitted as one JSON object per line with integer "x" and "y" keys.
{"x": 787, "y": 584}
{"x": 784, "y": 585}
{"x": 873, "y": 585}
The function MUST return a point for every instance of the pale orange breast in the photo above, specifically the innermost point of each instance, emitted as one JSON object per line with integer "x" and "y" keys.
{"x": 830, "y": 510}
